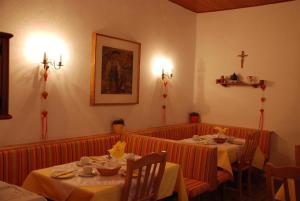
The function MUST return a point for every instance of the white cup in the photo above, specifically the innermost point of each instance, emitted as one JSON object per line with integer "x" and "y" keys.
{"x": 196, "y": 137}
{"x": 87, "y": 170}
{"x": 84, "y": 160}
{"x": 130, "y": 156}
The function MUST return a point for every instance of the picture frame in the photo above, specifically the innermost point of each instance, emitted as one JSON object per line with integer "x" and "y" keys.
{"x": 115, "y": 71}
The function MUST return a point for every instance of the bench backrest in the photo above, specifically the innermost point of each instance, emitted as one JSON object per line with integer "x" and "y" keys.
{"x": 199, "y": 163}
{"x": 182, "y": 131}
{"x": 240, "y": 132}
{"x": 16, "y": 162}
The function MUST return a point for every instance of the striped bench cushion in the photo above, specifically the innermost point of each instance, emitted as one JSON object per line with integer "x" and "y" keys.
{"x": 195, "y": 187}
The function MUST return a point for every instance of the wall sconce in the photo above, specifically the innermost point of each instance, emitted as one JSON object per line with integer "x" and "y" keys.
{"x": 46, "y": 62}
{"x": 166, "y": 75}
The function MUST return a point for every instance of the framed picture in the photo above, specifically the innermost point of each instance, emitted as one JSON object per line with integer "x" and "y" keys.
{"x": 115, "y": 71}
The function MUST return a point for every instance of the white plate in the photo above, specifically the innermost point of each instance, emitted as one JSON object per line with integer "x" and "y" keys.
{"x": 78, "y": 163}
{"x": 82, "y": 174}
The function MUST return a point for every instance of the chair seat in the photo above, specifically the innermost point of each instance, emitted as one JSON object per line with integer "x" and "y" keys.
{"x": 195, "y": 187}
{"x": 223, "y": 176}
{"x": 240, "y": 166}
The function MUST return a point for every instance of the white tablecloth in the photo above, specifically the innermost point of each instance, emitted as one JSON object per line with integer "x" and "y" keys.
{"x": 10, "y": 192}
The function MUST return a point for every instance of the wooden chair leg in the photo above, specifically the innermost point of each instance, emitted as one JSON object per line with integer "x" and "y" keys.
{"x": 249, "y": 182}
{"x": 240, "y": 185}
{"x": 222, "y": 189}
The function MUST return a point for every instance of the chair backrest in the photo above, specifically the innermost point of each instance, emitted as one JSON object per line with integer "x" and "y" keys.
{"x": 297, "y": 154}
{"x": 282, "y": 174}
{"x": 145, "y": 185}
{"x": 250, "y": 147}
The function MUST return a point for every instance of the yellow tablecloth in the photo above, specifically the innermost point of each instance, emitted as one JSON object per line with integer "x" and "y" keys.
{"x": 229, "y": 153}
{"x": 39, "y": 181}
{"x": 292, "y": 191}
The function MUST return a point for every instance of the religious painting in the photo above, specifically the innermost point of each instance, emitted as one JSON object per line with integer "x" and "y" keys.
{"x": 115, "y": 71}
{"x": 117, "y": 66}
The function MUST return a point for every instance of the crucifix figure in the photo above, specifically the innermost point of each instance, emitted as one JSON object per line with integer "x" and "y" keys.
{"x": 242, "y": 55}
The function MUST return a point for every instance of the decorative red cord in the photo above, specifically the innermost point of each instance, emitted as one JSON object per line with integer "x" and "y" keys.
{"x": 44, "y": 113}
{"x": 44, "y": 119}
{"x": 164, "y": 95}
{"x": 262, "y": 116}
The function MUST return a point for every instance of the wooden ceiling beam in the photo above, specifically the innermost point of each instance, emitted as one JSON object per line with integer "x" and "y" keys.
{"x": 201, "y": 6}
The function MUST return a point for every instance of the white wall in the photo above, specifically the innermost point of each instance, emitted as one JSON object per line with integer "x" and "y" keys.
{"x": 271, "y": 36}
{"x": 160, "y": 26}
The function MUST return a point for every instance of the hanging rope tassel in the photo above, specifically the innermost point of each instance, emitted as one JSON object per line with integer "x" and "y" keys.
{"x": 164, "y": 95}
{"x": 44, "y": 121}
{"x": 261, "y": 120}
{"x": 262, "y": 114}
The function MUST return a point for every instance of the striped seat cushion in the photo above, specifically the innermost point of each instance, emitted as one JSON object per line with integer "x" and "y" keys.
{"x": 195, "y": 187}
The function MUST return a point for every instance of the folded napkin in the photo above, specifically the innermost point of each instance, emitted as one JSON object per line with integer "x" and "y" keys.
{"x": 61, "y": 174}
{"x": 220, "y": 130}
{"x": 117, "y": 151}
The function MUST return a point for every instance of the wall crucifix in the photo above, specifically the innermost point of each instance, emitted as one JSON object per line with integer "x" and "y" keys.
{"x": 242, "y": 55}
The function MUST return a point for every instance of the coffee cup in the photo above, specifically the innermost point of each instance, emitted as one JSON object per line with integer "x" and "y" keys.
{"x": 196, "y": 137}
{"x": 87, "y": 170}
{"x": 130, "y": 156}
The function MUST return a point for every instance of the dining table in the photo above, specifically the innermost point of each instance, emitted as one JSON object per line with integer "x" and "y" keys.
{"x": 96, "y": 188}
{"x": 10, "y": 192}
{"x": 228, "y": 152}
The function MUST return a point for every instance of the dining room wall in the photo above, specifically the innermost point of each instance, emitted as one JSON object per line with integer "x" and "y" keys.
{"x": 161, "y": 27}
{"x": 270, "y": 35}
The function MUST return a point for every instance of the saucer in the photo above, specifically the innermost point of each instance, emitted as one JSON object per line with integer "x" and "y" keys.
{"x": 78, "y": 163}
{"x": 92, "y": 174}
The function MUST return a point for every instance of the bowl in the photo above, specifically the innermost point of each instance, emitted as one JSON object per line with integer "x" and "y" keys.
{"x": 106, "y": 171}
{"x": 220, "y": 140}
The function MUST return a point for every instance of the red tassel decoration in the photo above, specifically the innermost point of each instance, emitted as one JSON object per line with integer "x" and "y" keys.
{"x": 262, "y": 115}
{"x": 44, "y": 121}
{"x": 164, "y": 96}
{"x": 44, "y": 95}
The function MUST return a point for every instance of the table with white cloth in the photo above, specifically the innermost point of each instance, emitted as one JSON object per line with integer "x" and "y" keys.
{"x": 9, "y": 192}
{"x": 292, "y": 191}
{"x": 228, "y": 152}
{"x": 100, "y": 188}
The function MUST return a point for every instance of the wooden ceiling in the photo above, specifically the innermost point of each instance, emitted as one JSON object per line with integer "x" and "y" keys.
{"x": 201, "y": 6}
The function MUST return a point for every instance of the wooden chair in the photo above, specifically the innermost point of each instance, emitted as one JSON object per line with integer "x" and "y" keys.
{"x": 297, "y": 154}
{"x": 282, "y": 174}
{"x": 144, "y": 186}
{"x": 244, "y": 163}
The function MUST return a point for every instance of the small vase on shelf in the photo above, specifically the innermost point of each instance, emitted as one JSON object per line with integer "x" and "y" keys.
{"x": 194, "y": 117}
{"x": 118, "y": 126}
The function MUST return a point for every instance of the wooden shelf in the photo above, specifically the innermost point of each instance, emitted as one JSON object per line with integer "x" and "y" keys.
{"x": 226, "y": 83}
{"x": 5, "y": 116}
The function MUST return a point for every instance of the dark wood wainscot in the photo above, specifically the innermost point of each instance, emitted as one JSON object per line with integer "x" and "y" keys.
{"x": 4, "y": 74}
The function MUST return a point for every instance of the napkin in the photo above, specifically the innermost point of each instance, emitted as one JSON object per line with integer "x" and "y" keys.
{"x": 220, "y": 130}
{"x": 117, "y": 151}
{"x": 63, "y": 174}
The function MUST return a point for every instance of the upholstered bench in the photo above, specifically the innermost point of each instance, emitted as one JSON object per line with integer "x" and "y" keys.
{"x": 182, "y": 131}
{"x": 17, "y": 161}
{"x": 199, "y": 164}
